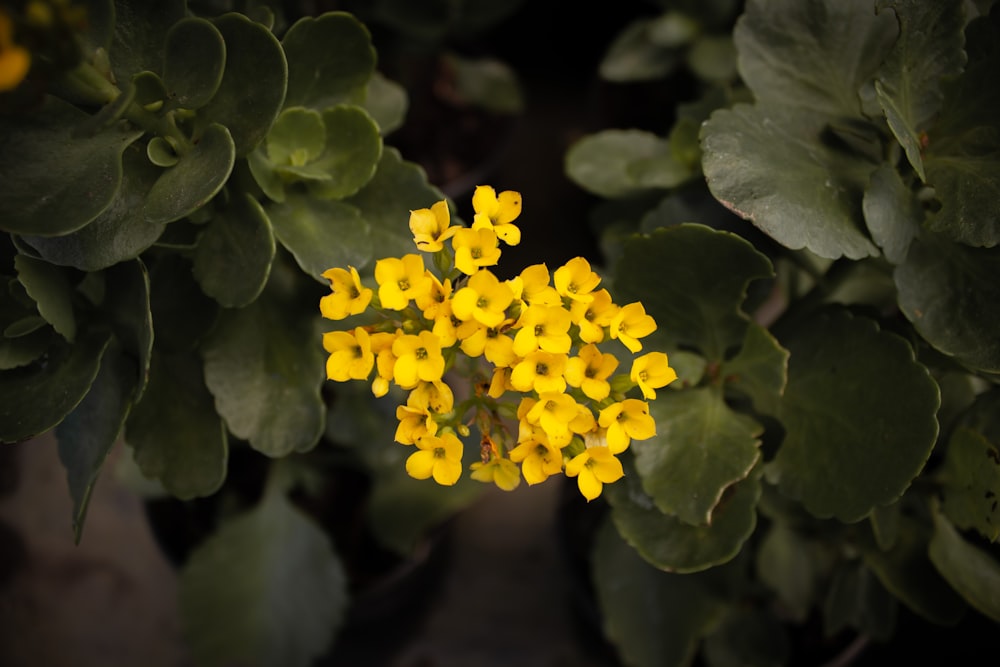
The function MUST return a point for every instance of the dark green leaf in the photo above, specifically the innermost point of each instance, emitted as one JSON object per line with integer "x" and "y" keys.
{"x": 858, "y": 600}
{"x": 487, "y": 83}
{"x": 949, "y": 292}
{"x": 181, "y": 310}
{"x": 174, "y": 430}
{"x": 973, "y": 573}
{"x": 748, "y": 637}
{"x": 330, "y": 60}
{"x": 970, "y": 483}
{"x": 635, "y": 55}
{"x": 387, "y": 102}
{"x": 126, "y": 302}
{"x": 859, "y": 417}
{"x": 19, "y": 351}
{"x": 194, "y": 58}
{"x": 796, "y": 566}
{"x": 700, "y": 449}
{"x": 892, "y": 213}
{"x": 674, "y": 273}
{"x": 232, "y": 260}
{"x": 620, "y": 163}
{"x": 656, "y": 619}
{"x": 759, "y": 369}
{"x": 140, "y": 29}
{"x": 351, "y": 155}
{"x": 769, "y": 165}
{"x": 52, "y": 292}
{"x": 100, "y": 25}
{"x": 266, "y": 590}
{"x": 55, "y": 182}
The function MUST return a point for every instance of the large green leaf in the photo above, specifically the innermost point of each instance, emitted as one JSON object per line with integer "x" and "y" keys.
{"x": 949, "y": 292}
{"x": 700, "y": 449}
{"x": 759, "y": 369}
{"x": 892, "y": 212}
{"x": 770, "y": 165}
{"x": 52, "y": 292}
{"x": 674, "y": 272}
{"x": 619, "y": 163}
{"x": 973, "y": 572}
{"x": 674, "y": 545}
{"x": 88, "y": 433}
{"x": 387, "y": 102}
{"x": 859, "y": 417}
{"x": 970, "y": 483}
{"x": 264, "y": 365}
{"x": 796, "y": 565}
{"x": 266, "y": 590}
{"x": 856, "y": 599}
{"x": 55, "y": 182}
{"x": 812, "y": 54}
{"x": 177, "y": 436}
{"x": 928, "y": 50}
{"x": 749, "y": 635}
{"x": 193, "y": 61}
{"x": 330, "y": 59}
{"x": 181, "y": 310}
{"x": 321, "y": 233}
{"x": 351, "y": 155}
{"x": 232, "y": 260}
{"x": 656, "y": 619}
{"x": 35, "y": 398}
{"x": 139, "y": 37}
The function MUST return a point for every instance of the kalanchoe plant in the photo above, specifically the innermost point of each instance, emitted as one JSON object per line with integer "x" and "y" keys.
{"x": 831, "y": 447}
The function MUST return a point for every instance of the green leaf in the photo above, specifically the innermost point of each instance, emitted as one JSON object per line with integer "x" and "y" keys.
{"x": 52, "y": 292}
{"x": 674, "y": 272}
{"x": 487, "y": 83}
{"x": 387, "y": 102}
{"x": 175, "y": 433}
{"x": 635, "y": 54}
{"x": 35, "y": 398}
{"x": 700, "y": 449}
{"x": 712, "y": 58}
{"x": 330, "y": 60}
{"x": 264, "y": 365}
{"x": 859, "y": 417}
{"x": 99, "y": 27}
{"x": 266, "y": 590}
{"x": 892, "y": 213}
{"x": 748, "y": 636}
{"x": 672, "y": 544}
{"x": 252, "y": 89}
{"x": 232, "y": 260}
{"x": 796, "y": 566}
{"x": 857, "y": 599}
{"x": 973, "y": 573}
{"x": 193, "y": 62}
{"x": 119, "y": 233}
{"x": 655, "y": 619}
{"x": 768, "y": 164}
{"x": 621, "y": 163}
{"x": 928, "y": 50}
{"x": 812, "y": 54}
{"x": 138, "y": 42}
{"x": 970, "y": 483}
{"x": 759, "y": 369}
{"x": 298, "y": 136}
{"x": 56, "y": 182}
{"x": 16, "y": 352}
{"x": 351, "y": 155}
{"x": 321, "y": 233}
{"x": 90, "y": 430}
{"x": 181, "y": 310}
{"x": 949, "y": 293}
{"x": 127, "y": 308}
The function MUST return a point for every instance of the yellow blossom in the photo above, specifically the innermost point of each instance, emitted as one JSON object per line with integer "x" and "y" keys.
{"x": 436, "y": 301}
{"x": 15, "y": 61}
{"x": 414, "y": 423}
{"x": 497, "y": 212}
{"x": 543, "y": 328}
{"x": 540, "y": 371}
{"x": 499, "y": 382}
{"x": 436, "y": 396}
{"x": 624, "y": 421}
{"x": 575, "y": 280}
{"x": 532, "y": 286}
{"x": 559, "y": 416}
{"x": 479, "y": 340}
{"x": 593, "y": 316}
{"x": 401, "y": 279}
{"x": 418, "y": 357}
{"x": 348, "y": 297}
{"x": 351, "y": 355}
{"x": 474, "y": 249}
{"x": 652, "y": 371}
{"x": 539, "y": 459}
{"x": 593, "y": 468}
{"x": 502, "y": 472}
{"x": 439, "y": 457}
{"x": 431, "y": 227}
{"x": 484, "y": 298}
{"x": 590, "y": 371}
{"x": 385, "y": 361}
{"x": 631, "y": 323}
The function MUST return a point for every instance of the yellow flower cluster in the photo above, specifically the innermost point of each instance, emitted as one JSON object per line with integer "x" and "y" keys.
{"x": 529, "y": 346}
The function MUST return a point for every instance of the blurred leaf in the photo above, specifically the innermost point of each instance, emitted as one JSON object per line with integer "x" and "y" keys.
{"x": 138, "y": 42}
{"x": 321, "y": 234}
{"x": 812, "y": 54}
{"x": 768, "y": 164}
{"x": 636, "y": 54}
{"x": 796, "y": 565}
{"x": 35, "y": 398}
{"x": 970, "y": 483}
{"x": 759, "y": 369}
{"x": 928, "y": 50}
{"x": 330, "y": 60}
{"x": 52, "y": 292}
{"x": 195, "y": 56}
{"x": 253, "y": 84}
{"x": 654, "y": 618}
{"x": 713, "y": 58}
{"x": 56, "y": 182}
{"x": 858, "y": 414}
{"x": 181, "y": 310}
{"x": 264, "y": 365}
{"x": 620, "y": 163}
{"x": 194, "y": 180}
{"x": 486, "y": 82}
{"x": 175, "y": 433}
{"x": 673, "y": 545}
{"x": 748, "y": 637}
{"x": 892, "y": 213}
{"x": 233, "y": 258}
{"x": 858, "y": 600}
{"x": 387, "y": 102}
{"x": 949, "y": 292}
{"x": 700, "y": 449}
{"x": 675, "y": 273}
{"x": 266, "y": 590}
{"x": 434, "y": 19}
{"x": 90, "y": 430}
{"x": 973, "y": 573}
{"x": 100, "y": 24}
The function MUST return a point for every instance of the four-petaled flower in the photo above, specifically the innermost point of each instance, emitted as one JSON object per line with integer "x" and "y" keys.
{"x": 474, "y": 249}
{"x": 593, "y": 468}
{"x": 439, "y": 457}
{"x": 431, "y": 227}
{"x": 650, "y": 372}
{"x": 347, "y": 297}
{"x": 497, "y": 212}
{"x": 631, "y": 323}
{"x": 626, "y": 420}
{"x": 401, "y": 279}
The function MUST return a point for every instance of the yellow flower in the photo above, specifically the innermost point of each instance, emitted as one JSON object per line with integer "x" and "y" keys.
{"x": 575, "y": 280}
{"x": 436, "y": 396}
{"x": 418, "y": 357}
{"x": 631, "y": 323}
{"x": 15, "y": 61}
{"x": 436, "y": 300}
{"x": 590, "y": 371}
{"x": 439, "y": 457}
{"x": 545, "y": 328}
{"x": 348, "y": 296}
{"x": 401, "y": 279}
{"x": 626, "y": 420}
{"x": 651, "y": 371}
{"x": 594, "y": 316}
{"x": 478, "y": 339}
{"x": 351, "y": 355}
{"x": 532, "y": 286}
{"x": 385, "y": 361}
{"x": 593, "y": 468}
{"x": 431, "y": 227}
{"x": 559, "y": 416}
{"x": 538, "y": 458}
{"x": 484, "y": 299}
{"x": 499, "y": 382}
{"x": 502, "y": 472}
{"x": 414, "y": 423}
{"x": 474, "y": 249}
{"x": 497, "y": 212}
{"x": 540, "y": 371}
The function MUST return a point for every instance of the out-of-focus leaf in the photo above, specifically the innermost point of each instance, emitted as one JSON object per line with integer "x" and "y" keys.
{"x": 858, "y": 600}
{"x": 488, "y": 83}
{"x": 620, "y": 163}
{"x": 796, "y": 565}
{"x": 971, "y": 571}
{"x": 387, "y": 102}
{"x": 748, "y": 636}
{"x": 637, "y": 55}
{"x": 970, "y": 483}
